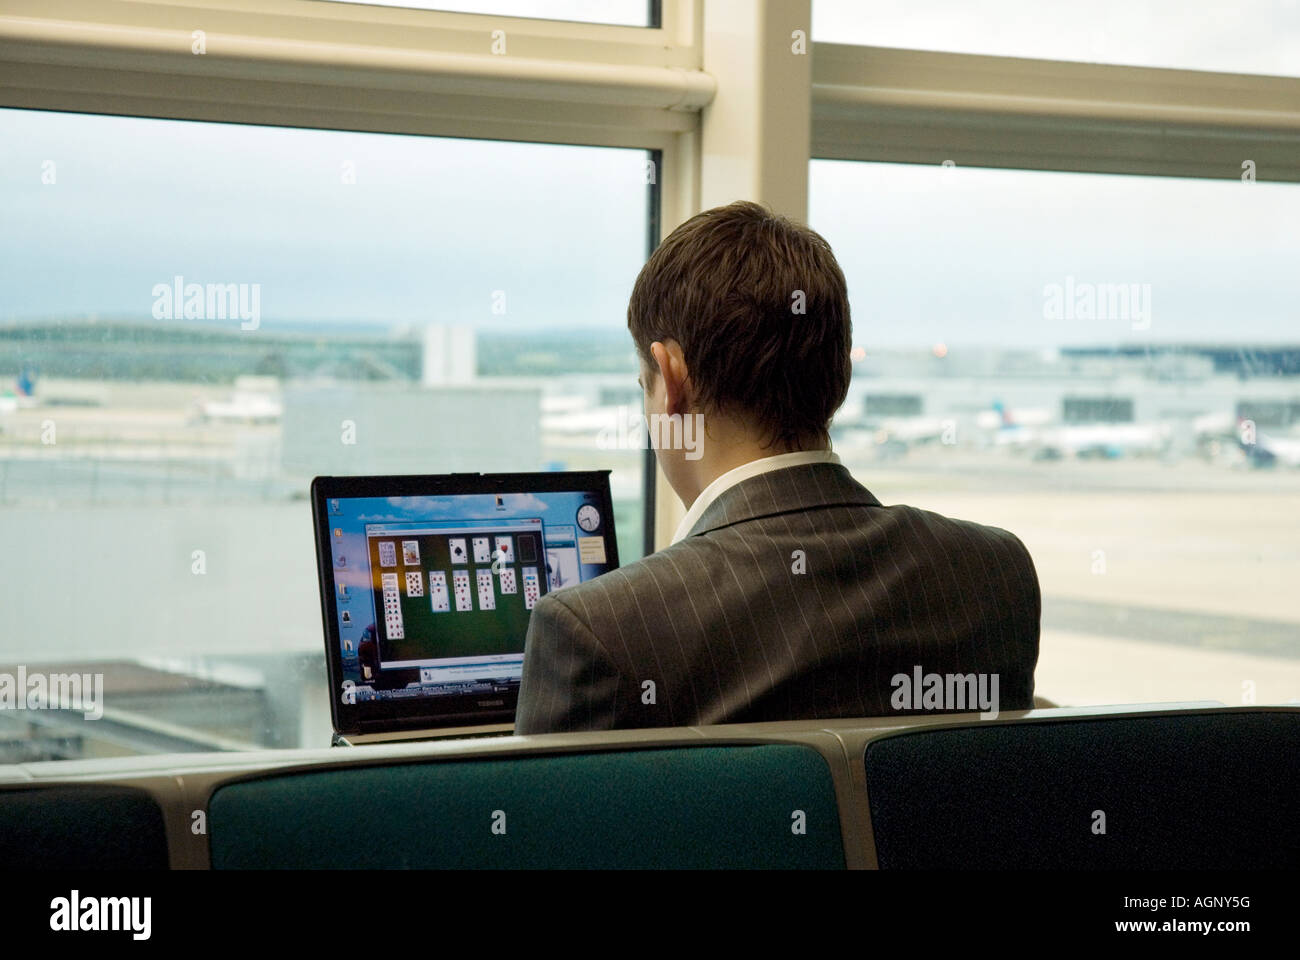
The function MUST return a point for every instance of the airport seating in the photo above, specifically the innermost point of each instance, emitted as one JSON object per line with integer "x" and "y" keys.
{"x": 1179, "y": 786}
{"x": 82, "y": 827}
{"x": 770, "y": 805}
{"x": 1215, "y": 789}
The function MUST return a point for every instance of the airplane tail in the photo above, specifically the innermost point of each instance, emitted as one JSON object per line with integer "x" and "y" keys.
{"x": 26, "y": 382}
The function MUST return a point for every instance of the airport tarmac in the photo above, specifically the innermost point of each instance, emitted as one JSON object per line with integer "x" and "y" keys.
{"x": 1077, "y": 669}
{"x": 1160, "y": 582}
{"x": 1173, "y": 580}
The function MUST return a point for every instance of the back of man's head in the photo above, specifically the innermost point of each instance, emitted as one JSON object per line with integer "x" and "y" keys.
{"x": 760, "y": 309}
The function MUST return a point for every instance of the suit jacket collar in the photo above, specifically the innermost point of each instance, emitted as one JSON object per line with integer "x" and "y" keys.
{"x": 784, "y": 491}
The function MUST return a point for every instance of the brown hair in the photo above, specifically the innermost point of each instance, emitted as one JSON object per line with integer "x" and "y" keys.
{"x": 728, "y": 285}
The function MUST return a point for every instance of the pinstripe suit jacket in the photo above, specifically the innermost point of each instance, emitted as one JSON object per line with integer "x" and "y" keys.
{"x": 728, "y": 629}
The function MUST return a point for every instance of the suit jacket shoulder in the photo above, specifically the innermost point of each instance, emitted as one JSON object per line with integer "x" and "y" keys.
{"x": 797, "y": 594}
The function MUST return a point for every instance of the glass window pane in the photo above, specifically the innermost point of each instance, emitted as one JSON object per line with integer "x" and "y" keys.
{"x": 623, "y": 13}
{"x": 1107, "y": 366}
{"x": 1250, "y": 36}
{"x": 372, "y": 304}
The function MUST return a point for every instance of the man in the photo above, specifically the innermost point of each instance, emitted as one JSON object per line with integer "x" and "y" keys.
{"x": 789, "y": 591}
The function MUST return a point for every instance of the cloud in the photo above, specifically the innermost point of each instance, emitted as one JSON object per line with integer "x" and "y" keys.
{"x": 523, "y": 502}
{"x": 474, "y": 506}
{"x": 421, "y": 506}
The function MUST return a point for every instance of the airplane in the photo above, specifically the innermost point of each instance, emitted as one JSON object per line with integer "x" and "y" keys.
{"x": 22, "y": 396}
{"x": 242, "y": 407}
{"x": 1012, "y": 429}
{"x": 899, "y": 434}
{"x": 1033, "y": 430}
{"x": 1108, "y": 441}
{"x": 888, "y": 437}
{"x": 591, "y": 421}
{"x": 1270, "y": 450}
{"x": 1226, "y": 436}
{"x": 910, "y": 431}
{"x": 1000, "y": 417}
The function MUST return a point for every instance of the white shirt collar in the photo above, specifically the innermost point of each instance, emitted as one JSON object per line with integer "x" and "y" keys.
{"x": 743, "y": 472}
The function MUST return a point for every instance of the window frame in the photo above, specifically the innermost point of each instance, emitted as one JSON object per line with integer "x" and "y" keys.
{"x": 693, "y": 91}
{"x": 372, "y": 69}
{"x": 912, "y": 106}
{"x": 681, "y": 89}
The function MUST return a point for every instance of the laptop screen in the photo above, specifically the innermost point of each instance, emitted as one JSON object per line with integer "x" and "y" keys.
{"x": 429, "y": 593}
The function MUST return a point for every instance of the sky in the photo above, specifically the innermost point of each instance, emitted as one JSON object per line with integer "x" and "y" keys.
{"x": 453, "y": 231}
{"x": 429, "y": 231}
{"x": 966, "y": 255}
{"x": 1236, "y": 36}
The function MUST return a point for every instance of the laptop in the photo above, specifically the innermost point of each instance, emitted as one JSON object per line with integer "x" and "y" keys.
{"x": 427, "y": 583}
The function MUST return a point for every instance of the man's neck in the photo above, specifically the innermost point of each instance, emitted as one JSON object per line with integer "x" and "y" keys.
{"x": 724, "y": 458}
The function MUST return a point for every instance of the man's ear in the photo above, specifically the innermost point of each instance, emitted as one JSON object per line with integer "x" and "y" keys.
{"x": 671, "y": 363}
